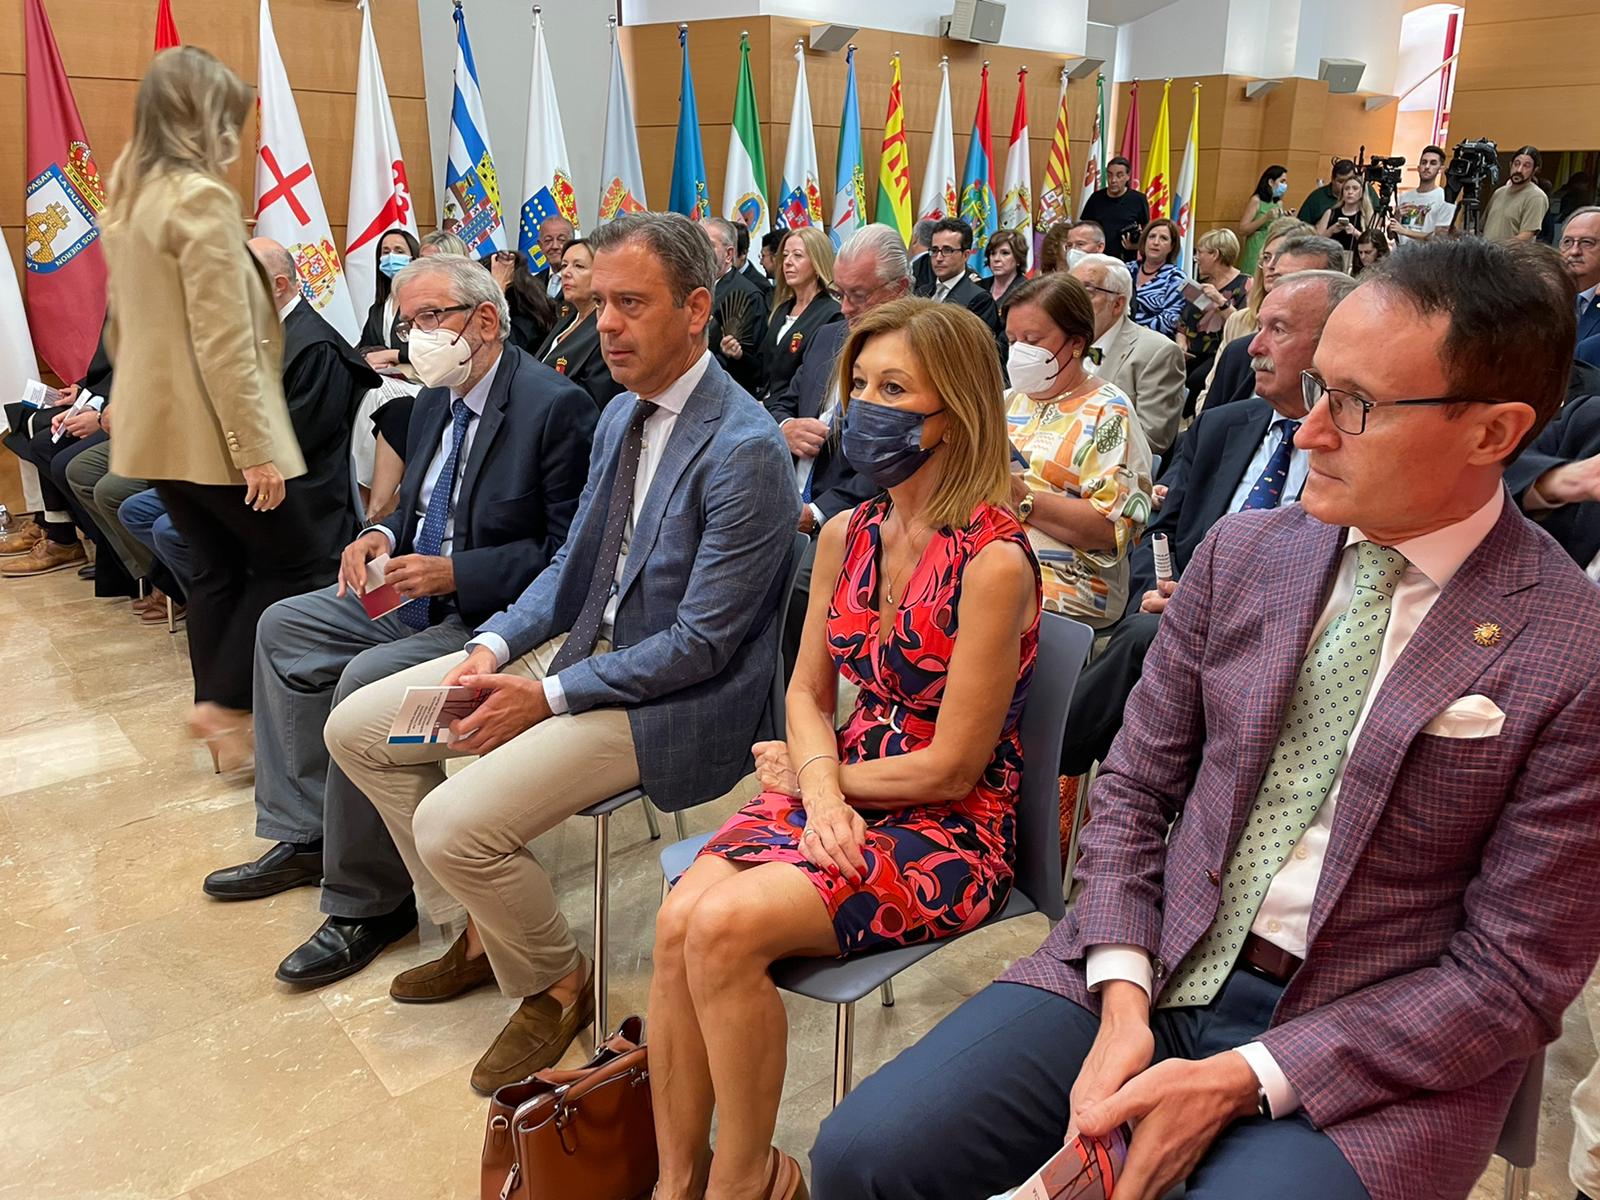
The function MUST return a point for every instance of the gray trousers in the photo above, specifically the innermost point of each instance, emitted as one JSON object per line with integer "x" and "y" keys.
{"x": 311, "y": 652}
{"x": 101, "y": 492}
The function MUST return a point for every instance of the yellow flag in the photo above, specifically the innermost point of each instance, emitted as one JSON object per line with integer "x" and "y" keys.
{"x": 1158, "y": 166}
{"x": 894, "y": 166}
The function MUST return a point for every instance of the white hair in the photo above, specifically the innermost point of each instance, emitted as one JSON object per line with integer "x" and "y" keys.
{"x": 1114, "y": 274}
{"x": 881, "y": 244}
{"x": 469, "y": 281}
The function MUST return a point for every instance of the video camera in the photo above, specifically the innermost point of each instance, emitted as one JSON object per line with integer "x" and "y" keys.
{"x": 1473, "y": 173}
{"x": 1385, "y": 173}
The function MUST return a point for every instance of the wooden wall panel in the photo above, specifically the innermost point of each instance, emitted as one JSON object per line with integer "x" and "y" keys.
{"x": 1529, "y": 73}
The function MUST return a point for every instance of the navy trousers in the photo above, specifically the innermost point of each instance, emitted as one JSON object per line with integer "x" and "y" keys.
{"x": 982, "y": 1100}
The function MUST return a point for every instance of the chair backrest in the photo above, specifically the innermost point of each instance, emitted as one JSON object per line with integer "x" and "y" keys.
{"x": 1519, "y": 1136}
{"x": 797, "y": 557}
{"x": 1063, "y": 649}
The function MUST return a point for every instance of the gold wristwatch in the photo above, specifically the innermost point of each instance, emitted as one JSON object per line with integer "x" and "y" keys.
{"x": 1025, "y": 507}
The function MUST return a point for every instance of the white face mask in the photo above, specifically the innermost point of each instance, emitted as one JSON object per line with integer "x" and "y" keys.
{"x": 1075, "y": 256}
{"x": 440, "y": 357}
{"x": 1033, "y": 369}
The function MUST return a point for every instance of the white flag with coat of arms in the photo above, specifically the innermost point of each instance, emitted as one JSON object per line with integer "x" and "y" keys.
{"x": 288, "y": 202}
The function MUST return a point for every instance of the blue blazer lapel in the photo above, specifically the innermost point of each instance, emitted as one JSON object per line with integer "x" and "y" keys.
{"x": 430, "y": 424}
{"x": 1293, "y": 598}
{"x": 494, "y": 413}
{"x": 692, "y": 430}
{"x": 1438, "y": 665}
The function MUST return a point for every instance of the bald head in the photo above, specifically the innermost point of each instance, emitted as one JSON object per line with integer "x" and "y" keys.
{"x": 278, "y": 263}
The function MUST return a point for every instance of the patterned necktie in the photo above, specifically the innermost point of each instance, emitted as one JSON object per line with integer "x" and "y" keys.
{"x": 1333, "y": 685}
{"x": 1267, "y": 492}
{"x": 430, "y": 535}
{"x": 586, "y": 629}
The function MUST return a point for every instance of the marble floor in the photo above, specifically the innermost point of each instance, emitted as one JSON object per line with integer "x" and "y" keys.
{"x": 146, "y": 1052}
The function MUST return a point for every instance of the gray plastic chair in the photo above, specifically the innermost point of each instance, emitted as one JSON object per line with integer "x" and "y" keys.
{"x": 1063, "y": 649}
{"x": 602, "y": 811}
{"x": 1519, "y": 1137}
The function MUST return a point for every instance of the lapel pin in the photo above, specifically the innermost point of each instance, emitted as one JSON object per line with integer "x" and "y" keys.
{"x": 1486, "y": 633}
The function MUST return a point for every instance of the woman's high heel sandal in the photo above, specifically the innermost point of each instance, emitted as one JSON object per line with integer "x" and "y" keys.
{"x": 784, "y": 1181}
{"x": 227, "y": 736}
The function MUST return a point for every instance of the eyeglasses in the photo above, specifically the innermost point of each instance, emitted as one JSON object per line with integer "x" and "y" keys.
{"x": 1349, "y": 411}
{"x": 1094, "y": 287}
{"x": 941, "y": 251}
{"x": 427, "y": 320}
{"x": 1584, "y": 244}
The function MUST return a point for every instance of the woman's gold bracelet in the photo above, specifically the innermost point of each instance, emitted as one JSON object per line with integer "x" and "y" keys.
{"x": 808, "y": 762}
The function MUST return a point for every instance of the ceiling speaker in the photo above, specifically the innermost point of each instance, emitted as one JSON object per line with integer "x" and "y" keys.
{"x": 1342, "y": 74}
{"x": 830, "y": 39}
{"x": 974, "y": 21}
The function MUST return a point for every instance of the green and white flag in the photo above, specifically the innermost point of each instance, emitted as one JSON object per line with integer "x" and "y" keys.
{"x": 744, "y": 191}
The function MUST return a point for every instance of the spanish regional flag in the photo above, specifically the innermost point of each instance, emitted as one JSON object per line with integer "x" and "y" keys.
{"x": 1055, "y": 194}
{"x": 166, "y": 28}
{"x": 894, "y": 165}
{"x": 61, "y": 227}
{"x": 1158, "y": 167}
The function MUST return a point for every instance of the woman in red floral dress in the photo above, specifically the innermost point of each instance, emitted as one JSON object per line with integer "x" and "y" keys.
{"x": 899, "y": 827}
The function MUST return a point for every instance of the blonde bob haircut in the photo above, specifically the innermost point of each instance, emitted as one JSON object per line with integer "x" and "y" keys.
{"x": 819, "y": 249}
{"x": 957, "y": 353}
{"x": 187, "y": 116}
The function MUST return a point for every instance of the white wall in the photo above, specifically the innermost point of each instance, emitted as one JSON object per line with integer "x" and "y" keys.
{"x": 502, "y": 45}
{"x": 1054, "y": 25}
{"x": 1187, "y": 38}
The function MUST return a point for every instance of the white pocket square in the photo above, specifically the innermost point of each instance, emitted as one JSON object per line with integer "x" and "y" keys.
{"x": 1468, "y": 717}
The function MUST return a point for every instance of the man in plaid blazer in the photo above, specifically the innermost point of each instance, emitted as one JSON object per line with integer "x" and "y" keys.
{"x": 1414, "y": 941}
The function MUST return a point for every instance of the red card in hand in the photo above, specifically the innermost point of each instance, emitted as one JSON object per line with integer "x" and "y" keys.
{"x": 380, "y": 599}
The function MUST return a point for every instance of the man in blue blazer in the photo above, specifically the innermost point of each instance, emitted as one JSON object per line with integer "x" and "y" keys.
{"x": 639, "y": 658}
{"x": 456, "y": 553}
{"x": 1580, "y": 252}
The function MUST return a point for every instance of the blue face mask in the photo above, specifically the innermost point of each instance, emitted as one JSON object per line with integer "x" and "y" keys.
{"x": 883, "y": 443}
{"x": 1279, "y": 188}
{"x": 389, "y": 264}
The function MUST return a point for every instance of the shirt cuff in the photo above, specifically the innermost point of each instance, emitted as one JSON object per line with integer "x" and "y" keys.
{"x": 98, "y": 403}
{"x": 493, "y": 643}
{"x": 821, "y": 520}
{"x": 383, "y": 529}
{"x": 1280, "y": 1092}
{"x": 554, "y": 696}
{"x": 1103, "y": 964}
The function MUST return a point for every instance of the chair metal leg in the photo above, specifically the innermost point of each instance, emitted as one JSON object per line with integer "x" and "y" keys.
{"x": 887, "y": 992}
{"x": 844, "y": 1049}
{"x": 172, "y": 625}
{"x": 677, "y": 824}
{"x": 602, "y": 838}
{"x": 1518, "y": 1181}
{"x": 650, "y": 819}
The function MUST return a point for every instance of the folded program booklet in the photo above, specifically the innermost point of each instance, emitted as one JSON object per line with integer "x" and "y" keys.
{"x": 426, "y": 712}
{"x": 380, "y": 598}
{"x": 1083, "y": 1169}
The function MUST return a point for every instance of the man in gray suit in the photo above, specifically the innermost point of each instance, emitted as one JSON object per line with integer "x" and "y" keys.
{"x": 637, "y": 658}
{"x": 1145, "y": 365}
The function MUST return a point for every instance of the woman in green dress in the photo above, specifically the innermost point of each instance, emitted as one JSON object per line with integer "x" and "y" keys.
{"x": 1264, "y": 206}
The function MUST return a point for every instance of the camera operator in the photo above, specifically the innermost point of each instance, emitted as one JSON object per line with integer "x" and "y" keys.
{"x": 1424, "y": 209}
{"x": 1517, "y": 209}
{"x": 1119, "y": 209}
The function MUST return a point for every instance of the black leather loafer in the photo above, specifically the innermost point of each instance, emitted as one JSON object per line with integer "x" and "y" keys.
{"x": 343, "y": 946}
{"x": 285, "y": 866}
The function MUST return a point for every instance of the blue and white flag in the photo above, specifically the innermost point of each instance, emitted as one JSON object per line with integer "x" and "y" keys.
{"x": 471, "y": 188}
{"x": 800, "y": 199}
{"x": 850, "y": 186}
{"x": 691, "y": 193}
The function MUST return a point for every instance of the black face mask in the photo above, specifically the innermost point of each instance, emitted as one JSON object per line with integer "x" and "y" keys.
{"x": 883, "y": 443}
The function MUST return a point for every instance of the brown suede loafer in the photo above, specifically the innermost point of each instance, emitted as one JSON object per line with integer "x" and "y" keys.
{"x": 536, "y": 1037}
{"x": 452, "y": 974}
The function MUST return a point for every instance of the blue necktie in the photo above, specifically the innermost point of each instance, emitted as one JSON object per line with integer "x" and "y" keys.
{"x": 1267, "y": 491}
{"x": 430, "y": 537}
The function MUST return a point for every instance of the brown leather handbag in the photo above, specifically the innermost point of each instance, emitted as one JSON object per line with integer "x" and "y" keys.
{"x": 583, "y": 1134}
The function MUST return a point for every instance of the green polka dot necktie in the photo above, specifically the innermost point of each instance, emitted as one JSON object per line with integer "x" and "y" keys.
{"x": 1333, "y": 685}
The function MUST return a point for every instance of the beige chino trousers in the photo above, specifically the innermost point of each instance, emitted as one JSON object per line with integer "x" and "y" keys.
{"x": 464, "y": 837}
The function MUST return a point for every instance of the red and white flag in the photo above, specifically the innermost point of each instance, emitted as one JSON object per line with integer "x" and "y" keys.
{"x": 288, "y": 202}
{"x": 61, "y": 227}
{"x": 380, "y": 198}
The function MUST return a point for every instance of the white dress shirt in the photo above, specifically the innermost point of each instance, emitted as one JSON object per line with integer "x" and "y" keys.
{"x": 474, "y": 400}
{"x": 1299, "y": 464}
{"x": 658, "y": 428}
{"x": 1285, "y": 913}
{"x": 804, "y": 468}
{"x": 941, "y": 287}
